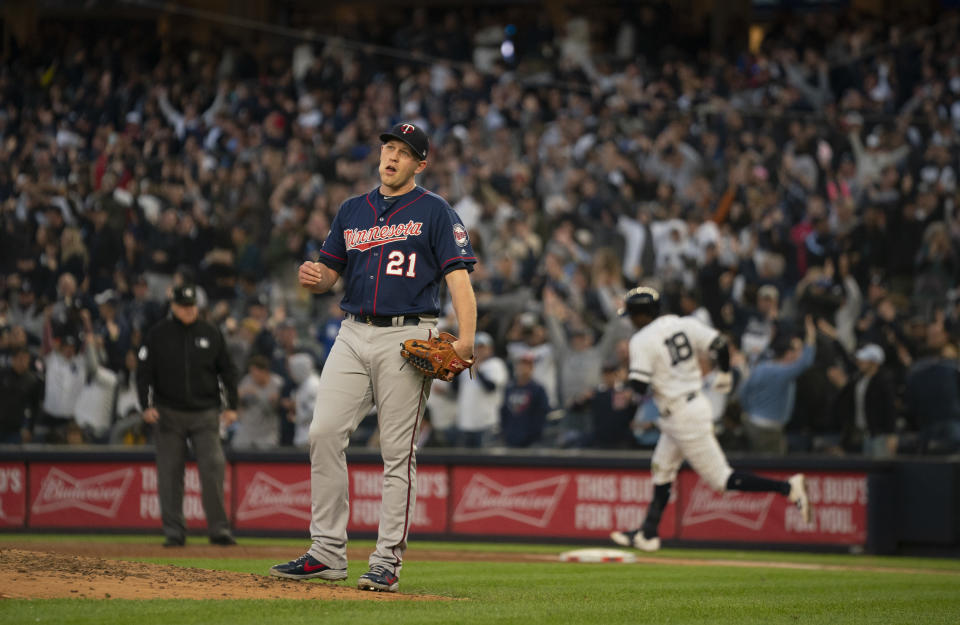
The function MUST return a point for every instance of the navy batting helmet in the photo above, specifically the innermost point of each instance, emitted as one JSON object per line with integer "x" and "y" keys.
{"x": 641, "y": 300}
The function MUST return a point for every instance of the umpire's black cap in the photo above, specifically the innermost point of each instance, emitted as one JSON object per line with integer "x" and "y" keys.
{"x": 641, "y": 300}
{"x": 414, "y": 136}
{"x": 185, "y": 295}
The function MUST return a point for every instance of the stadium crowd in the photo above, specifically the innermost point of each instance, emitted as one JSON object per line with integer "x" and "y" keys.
{"x": 813, "y": 175}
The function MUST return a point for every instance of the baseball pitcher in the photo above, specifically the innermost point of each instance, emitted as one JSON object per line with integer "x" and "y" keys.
{"x": 392, "y": 248}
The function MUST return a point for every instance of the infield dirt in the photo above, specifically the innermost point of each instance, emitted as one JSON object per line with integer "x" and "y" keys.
{"x": 43, "y": 570}
{"x": 84, "y": 570}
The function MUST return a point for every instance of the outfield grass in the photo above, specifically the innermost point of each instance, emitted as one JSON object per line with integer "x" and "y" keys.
{"x": 560, "y": 593}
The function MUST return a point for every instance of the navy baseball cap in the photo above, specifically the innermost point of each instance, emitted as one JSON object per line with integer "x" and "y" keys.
{"x": 414, "y": 136}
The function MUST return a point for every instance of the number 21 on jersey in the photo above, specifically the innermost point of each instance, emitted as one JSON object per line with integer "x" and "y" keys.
{"x": 396, "y": 261}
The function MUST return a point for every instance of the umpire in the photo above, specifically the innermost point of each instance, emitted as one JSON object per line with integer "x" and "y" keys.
{"x": 183, "y": 364}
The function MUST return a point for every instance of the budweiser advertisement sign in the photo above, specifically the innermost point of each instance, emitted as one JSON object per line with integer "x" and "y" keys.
{"x": 13, "y": 494}
{"x": 101, "y": 494}
{"x": 277, "y": 497}
{"x": 550, "y": 502}
{"x": 107, "y": 495}
{"x": 839, "y": 503}
{"x": 456, "y": 500}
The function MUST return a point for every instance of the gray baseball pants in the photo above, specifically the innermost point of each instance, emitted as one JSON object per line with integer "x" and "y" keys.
{"x": 365, "y": 369}
{"x": 172, "y": 431}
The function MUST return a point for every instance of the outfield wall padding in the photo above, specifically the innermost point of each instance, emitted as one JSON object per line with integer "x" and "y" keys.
{"x": 573, "y": 495}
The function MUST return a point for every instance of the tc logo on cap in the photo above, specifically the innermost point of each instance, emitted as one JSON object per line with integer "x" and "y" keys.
{"x": 411, "y": 135}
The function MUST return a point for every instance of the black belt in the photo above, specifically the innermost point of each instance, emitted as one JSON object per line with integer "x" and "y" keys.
{"x": 386, "y": 322}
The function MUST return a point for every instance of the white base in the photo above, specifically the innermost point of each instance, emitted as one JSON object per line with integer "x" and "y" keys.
{"x": 597, "y": 555}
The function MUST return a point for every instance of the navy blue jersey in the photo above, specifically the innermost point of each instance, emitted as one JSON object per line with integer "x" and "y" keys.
{"x": 392, "y": 254}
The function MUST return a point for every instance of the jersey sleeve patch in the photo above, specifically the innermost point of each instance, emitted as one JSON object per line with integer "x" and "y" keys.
{"x": 460, "y": 235}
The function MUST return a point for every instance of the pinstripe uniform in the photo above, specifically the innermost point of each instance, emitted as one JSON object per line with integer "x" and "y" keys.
{"x": 663, "y": 358}
{"x": 664, "y": 355}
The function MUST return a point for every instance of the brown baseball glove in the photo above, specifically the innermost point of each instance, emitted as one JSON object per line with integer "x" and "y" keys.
{"x": 435, "y": 357}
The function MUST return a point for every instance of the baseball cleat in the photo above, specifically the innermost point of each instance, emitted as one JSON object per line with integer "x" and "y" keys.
{"x": 624, "y": 539}
{"x": 171, "y": 541}
{"x": 379, "y": 577}
{"x": 643, "y": 543}
{"x": 307, "y": 567}
{"x": 798, "y": 495}
{"x": 636, "y": 539}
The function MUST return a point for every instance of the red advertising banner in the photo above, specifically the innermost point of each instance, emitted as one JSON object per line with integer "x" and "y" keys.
{"x": 551, "y": 502}
{"x": 507, "y": 501}
{"x": 272, "y": 496}
{"x": 366, "y": 487}
{"x": 13, "y": 494}
{"x": 277, "y": 497}
{"x": 839, "y": 503}
{"x": 108, "y": 495}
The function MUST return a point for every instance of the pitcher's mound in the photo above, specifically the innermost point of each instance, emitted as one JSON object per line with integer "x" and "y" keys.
{"x": 42, "y": 575}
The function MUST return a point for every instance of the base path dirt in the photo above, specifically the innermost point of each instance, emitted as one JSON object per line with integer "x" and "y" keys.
{"x": 31, "y": 569}
{"x": 26, "y": 573}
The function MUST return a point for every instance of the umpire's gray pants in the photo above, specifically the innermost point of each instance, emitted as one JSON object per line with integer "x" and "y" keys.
{"x": 173, "y": 430}
{"x": 365, "y": 368}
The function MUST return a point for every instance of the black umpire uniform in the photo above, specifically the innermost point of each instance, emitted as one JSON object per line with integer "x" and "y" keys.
{"x": 184, "y": 370}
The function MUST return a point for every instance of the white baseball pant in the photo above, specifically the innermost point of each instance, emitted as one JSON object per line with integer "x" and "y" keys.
{"x": 686, "y": 431}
